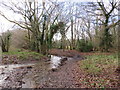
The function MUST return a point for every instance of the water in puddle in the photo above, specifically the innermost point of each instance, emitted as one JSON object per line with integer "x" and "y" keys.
{"x": 6, "y": 69}
{"x": 55, "y": 61}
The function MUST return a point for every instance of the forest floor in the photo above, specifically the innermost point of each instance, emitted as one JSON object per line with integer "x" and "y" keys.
{"x": 84, "y": 70}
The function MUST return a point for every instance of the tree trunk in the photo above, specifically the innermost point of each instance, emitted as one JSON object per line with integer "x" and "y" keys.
{"x": 72, "y": 41}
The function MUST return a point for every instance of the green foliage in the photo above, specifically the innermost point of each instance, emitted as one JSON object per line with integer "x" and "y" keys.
{"x": 54, "y": 28}
{"x": 84, "y": 46}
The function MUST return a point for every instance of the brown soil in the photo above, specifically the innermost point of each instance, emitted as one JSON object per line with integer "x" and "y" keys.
{"x": 60, "y": 52}
{"x": 63, "y": 77}
{"x": 69, "y": 75}
{"x": 71, "y": 53}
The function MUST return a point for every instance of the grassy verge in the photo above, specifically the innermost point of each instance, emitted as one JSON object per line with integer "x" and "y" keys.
{"x": 99, "y": 71}
{"x": 24, "y": 55}
{"x": 19, "y": 56}
{"x": 95, "y": 64}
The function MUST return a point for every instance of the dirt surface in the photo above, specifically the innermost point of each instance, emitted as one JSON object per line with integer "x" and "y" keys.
{"x": 42, "y": 76}
{"x": 68, "y": 75}
{"x": 63, "y": 77}
{"x": 74, "y": 53}
{"x": 68, "y": 53}
{"x": 13, "y": 78}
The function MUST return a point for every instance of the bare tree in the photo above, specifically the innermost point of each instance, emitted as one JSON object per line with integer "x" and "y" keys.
{"x": 37, "y": 20}
{"x": 5, "y": 41}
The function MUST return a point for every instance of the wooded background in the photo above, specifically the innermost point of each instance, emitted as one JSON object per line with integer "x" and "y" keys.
{"x": 84, "y": 26}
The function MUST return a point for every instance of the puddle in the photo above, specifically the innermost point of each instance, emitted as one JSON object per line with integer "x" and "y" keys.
{"x": 55, "y": 61}
{"x": 5, "y": 70}
{"x": 13, "y": 66}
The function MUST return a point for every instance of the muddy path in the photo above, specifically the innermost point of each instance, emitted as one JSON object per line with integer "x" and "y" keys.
{"x": 37, "y": 76}
{"x": 62, "y": 77}
{"x": 12, "y": 75}
{"x": 57, "y": 72}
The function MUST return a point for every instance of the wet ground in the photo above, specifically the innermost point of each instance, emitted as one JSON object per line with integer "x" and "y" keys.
{"x": 40, "y": 74}
{"x": 63, "y": 77}
{"x": 61, "y": 71}
{"x": 12, "y": 75}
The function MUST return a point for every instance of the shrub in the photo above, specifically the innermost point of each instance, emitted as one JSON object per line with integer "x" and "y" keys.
{"x": 84, "y": 46}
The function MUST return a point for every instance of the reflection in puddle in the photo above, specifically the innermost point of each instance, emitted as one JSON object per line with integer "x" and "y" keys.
{"x": 55, "y": 61}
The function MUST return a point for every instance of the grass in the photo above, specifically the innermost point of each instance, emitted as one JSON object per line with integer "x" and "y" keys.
{"x": 95, "y": 64}
{"x": 24, "y": 55}
{"x": 99, "y": 71}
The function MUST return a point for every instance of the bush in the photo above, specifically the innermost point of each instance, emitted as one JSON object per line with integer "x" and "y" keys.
{"x": 84, "y": 46}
